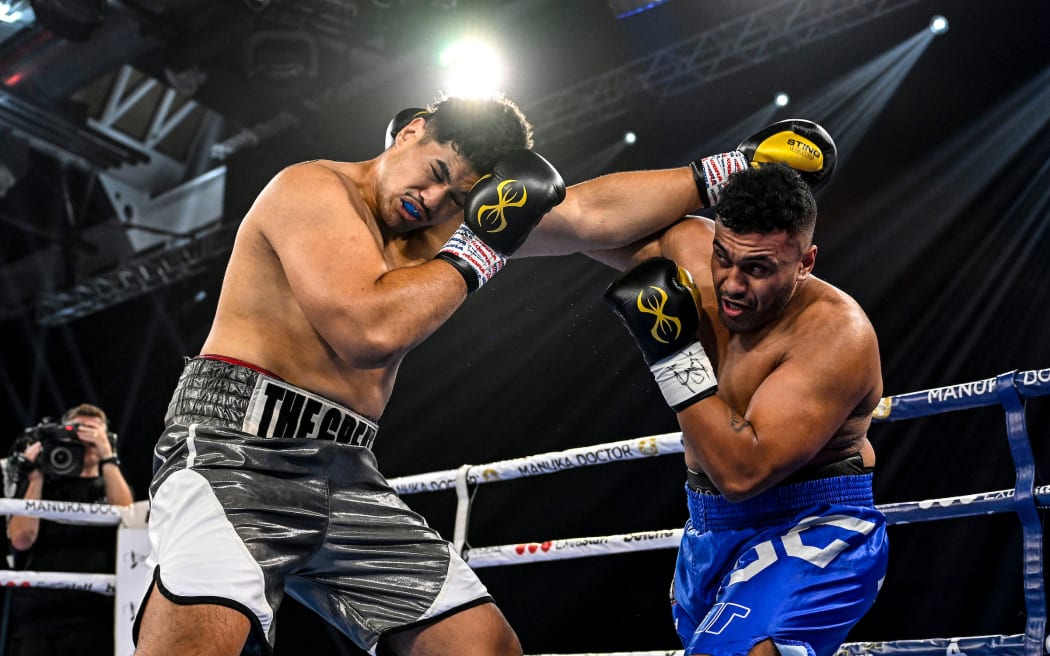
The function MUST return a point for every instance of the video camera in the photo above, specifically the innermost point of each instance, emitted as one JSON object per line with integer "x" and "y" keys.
{"x": 61, "y": 451}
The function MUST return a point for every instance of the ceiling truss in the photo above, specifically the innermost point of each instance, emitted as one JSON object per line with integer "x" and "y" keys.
{"x": 777, "y": 28}
{"x": 774, "y": 29}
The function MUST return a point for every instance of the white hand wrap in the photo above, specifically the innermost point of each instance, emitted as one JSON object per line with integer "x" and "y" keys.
{"x": 482, "y": 259}
{"x": 685, "y": 377}
{"x": 711, "y": 173}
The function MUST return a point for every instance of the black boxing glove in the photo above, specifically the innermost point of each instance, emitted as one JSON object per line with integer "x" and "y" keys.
{"x": 803, "y": 145}
{"x": 658, "y": 303}
{"x": 499, "y": 212}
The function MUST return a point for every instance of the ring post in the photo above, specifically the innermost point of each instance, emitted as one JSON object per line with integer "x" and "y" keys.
{"x": 459, "y": 535}
{"x": 1027, "y": 511}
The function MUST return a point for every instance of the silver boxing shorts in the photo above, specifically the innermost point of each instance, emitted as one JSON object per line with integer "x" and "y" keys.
{"x": 261, "y": 487}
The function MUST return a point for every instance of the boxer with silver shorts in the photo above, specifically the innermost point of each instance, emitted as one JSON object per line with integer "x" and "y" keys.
{"x": 239, "y": 445}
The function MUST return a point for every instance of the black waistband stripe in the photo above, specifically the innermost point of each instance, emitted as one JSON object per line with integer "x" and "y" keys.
{"x": 277, "y": 409}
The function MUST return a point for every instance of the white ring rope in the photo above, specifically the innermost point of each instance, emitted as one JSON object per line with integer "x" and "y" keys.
{"x": 70, "y": 512}
{"x": 102, "y": 583}
{"x": 969, "y": 505}
{"x": 903, "y": 406}
{"x": 1007, "y": 645}
{"x": 892, "y": 408}
{"x": 63, "y": 512}
{"x": 543, "y": 463}
{"x": 517, "y": 554}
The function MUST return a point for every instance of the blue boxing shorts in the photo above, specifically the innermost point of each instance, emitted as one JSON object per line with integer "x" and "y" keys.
{"x": 262, "y": 488}
{"x": 799, "y": 564}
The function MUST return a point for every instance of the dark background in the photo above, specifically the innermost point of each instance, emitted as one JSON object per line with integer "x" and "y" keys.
{"x": 937, "y": 221}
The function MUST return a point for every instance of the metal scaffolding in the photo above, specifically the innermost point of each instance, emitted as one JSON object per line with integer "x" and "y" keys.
{"x": 134, "y": 278}
{"x": 777, "y": 28}
{"x": 774, "y": 29}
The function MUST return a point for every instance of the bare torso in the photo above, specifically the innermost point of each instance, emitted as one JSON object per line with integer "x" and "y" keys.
{"x": 745, "y": 360}
{"x": 259, "y": 318}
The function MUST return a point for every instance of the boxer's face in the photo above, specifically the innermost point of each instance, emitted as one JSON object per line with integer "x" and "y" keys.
{"x": 755, "y": 275}
{"x": 422, "y": 182}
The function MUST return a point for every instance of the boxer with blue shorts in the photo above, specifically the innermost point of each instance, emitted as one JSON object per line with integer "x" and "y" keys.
{"x": 784, "y": 550}
{"x": 799, "y": 564}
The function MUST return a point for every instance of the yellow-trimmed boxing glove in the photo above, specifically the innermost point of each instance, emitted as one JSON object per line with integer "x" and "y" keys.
{"x": 658, "y": 302}
{"x": 499, "y": 212}
{"x": 803, "y": 145}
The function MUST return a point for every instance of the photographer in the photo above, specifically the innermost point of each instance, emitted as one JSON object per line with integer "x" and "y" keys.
{"x": 73, "y": 461}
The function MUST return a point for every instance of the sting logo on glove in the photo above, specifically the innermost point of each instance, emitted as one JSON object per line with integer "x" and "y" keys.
{"x": 507, "y": 196}
{"x": 801, "y": 154}
{"x": 654, "y": 304}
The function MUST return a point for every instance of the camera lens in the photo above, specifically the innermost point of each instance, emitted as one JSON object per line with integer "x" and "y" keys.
{"x": 62, "y": 459}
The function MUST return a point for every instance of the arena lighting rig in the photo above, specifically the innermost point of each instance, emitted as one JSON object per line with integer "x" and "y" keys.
{"x": 748, "y": 40}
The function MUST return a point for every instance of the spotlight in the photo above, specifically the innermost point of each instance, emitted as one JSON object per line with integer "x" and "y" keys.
{"x": 473, "y": 69}
{"x": 11, "y": 12}
{"x": 630, "y": 138}
{"x": 781, "y": 99}
{"x": 938, "y": 24}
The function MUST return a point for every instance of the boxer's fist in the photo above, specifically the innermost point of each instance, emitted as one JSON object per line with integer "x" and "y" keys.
{"x": 504, "y": 206}
{"x": 657, "y": 301}
{"x": 803, "y": 145}
{"x": 500, "y": 211}
{"x": 659, "y": 304}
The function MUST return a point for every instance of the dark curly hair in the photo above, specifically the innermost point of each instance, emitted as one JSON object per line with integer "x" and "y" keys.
{"x": 768, "y": 199}
{"x": 480, "y": 129}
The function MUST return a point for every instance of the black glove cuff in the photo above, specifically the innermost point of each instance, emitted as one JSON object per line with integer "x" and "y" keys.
{"x": 701, "y": 183}
{"x": 465, "y": 270}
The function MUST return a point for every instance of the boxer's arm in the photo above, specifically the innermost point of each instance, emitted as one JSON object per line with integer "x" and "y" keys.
{"x": 687, "y": 242}
{"x": 795, "y": 410}
{"x": 624, "y": 258}
{"x": 618, "y": 209}
{"x": 369, "y": 312}
{"x": 613, "y": 211}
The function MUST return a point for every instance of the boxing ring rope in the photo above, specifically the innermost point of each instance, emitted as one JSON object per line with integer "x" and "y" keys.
{"x": 1008, "y": 390}
{"x": 67, "y": 512}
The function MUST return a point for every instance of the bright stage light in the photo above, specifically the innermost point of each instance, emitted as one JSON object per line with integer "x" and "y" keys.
{"x": 781, "y": 99}
{"x": 10, "y": 13}
{"x": 938, "y": 24}
{"x": 630, "y": 138}
{"x": 473, "y": 69}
